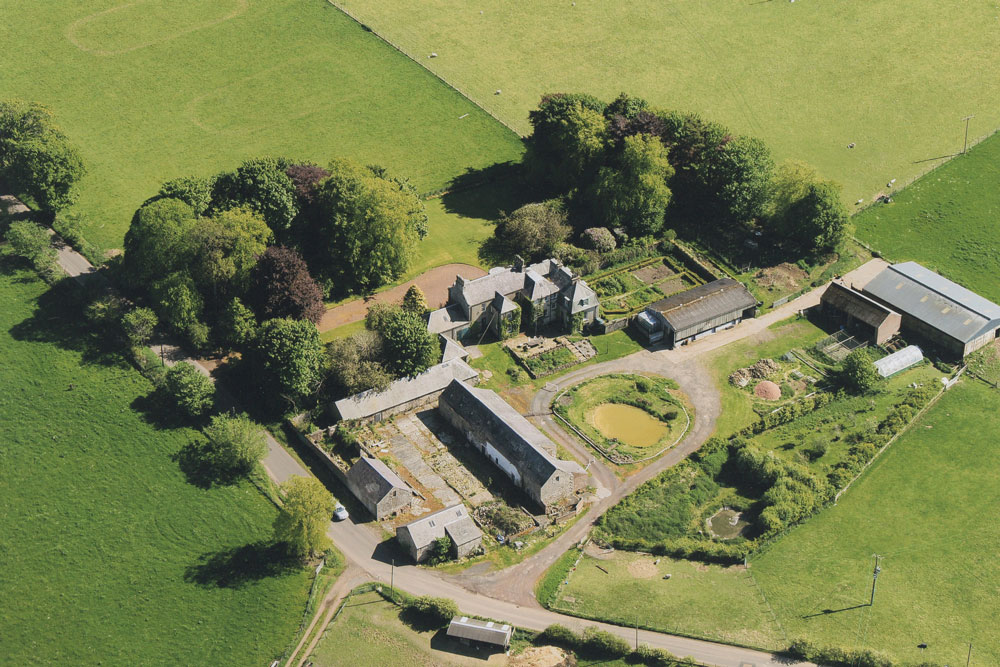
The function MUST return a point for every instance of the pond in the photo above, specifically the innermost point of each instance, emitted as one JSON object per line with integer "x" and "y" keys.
{"x": 628, "y": 424}
{"x": 727, "y": 524}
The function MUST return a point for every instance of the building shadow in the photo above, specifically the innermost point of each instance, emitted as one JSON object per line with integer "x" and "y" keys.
{"x": 237, "y": 566}
{"x": 442, "y": 642}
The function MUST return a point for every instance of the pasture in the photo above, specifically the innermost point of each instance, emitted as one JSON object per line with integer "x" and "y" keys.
{"x": 156, "y": 89}
{"x": 110, "y": 556}
{"x": 808, "y": 78}
{"x": 946, "y": 220}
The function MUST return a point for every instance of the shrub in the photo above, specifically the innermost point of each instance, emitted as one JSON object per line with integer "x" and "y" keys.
{"x": 438, "y": 611}
{"x": 193, "y": 392}
{"x": 602, "y": 644}
{"x": 138, "y": 326}
{"x": 645, "y": 385}
{"x": 655, "y": 657}
{"x": 598, "y": 238}
{"x": 558, "y": 635}
{"x": 815, "y": 450}
{"x": 32, "y": 242}
{"x": 440, "y": 551}
{"x": 834, "y": 656}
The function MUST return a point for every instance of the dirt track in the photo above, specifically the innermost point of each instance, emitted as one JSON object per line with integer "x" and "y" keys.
{"x": 434, "y": 283}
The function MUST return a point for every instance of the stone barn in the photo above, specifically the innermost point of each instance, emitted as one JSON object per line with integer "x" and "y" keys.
{"x": 417, "y": 537}
{"x": 859, "y": 314}
{"x": 512, "y": 444}
{"x": 936, "y": 309}
{"x": 378, "y": 488}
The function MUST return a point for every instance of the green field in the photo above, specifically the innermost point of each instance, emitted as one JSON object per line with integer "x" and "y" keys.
{"x": 808, "y": 78}
{"x": 108, "y": 555}
{"x": 929, "y": 507}
{"x": 947, "y": 221}
{"x": 156, "y": 89}
{"x": 700, "y": 600}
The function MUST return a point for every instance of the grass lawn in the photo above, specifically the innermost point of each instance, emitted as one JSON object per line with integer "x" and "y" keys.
{"x": 929, "y": 507}
{"x": 737, "y": 404}
{"x": 699, "y": 600}
{"x": 155, "y": 89}
{"x": 109, "y": 555}
{"x": 947, "y": 221}
{"x": 808, "y": 78}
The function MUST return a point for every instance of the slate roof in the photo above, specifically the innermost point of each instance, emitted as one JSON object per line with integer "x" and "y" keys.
{"x": 489, "y": 632}
{"x": 538, "y": 287}
{"x": 373, "y": 480}
{"x": 933, "y": 299}
{"x": 581, "y": 297}
{"x": 502, "y": 304}
{"x": 446, "y": 319}
{"x": 515, "y": 437}
{"x": 704, "y": 303}
{"x": 428, "y": 528}
{"x": 434, "y": 379}
{"x": 502, "y": 280}
{"x": 452, "y": 350}
{"x": 856, "y": 304}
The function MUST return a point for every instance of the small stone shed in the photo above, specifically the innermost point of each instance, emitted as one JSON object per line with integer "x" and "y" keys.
{"x": 407, "y": 394}
{"x": 484, "y": 633}
{"x": 378, "y": 488}
{"x": 417, "y": 537}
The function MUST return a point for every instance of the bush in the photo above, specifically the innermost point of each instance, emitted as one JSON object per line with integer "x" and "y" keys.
{"x": 602, "y": 644}
{"x": 834, "y": 656}
{"x": 655, "y": 657}
{"x": 558, "y": 635}
{"x": 598, "y": 238}
{"x": 438, "y": 611}
{"x": 32, "y": 242}
{"x": 440, "y": 551}
{"x": 138, "y": 326}
{"x": 815, "y": 450}
{"x": 193, "y": 392}
{"x": 645, "y": 385}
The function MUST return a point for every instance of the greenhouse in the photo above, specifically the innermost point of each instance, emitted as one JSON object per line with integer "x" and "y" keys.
{"x": 898, "y": 361}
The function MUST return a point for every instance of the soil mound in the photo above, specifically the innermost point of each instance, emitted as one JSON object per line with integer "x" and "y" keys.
{"x": 767, "y": 390}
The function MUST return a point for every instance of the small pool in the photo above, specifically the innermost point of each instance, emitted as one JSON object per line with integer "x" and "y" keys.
{"x": 628, "y": 424}
{"x": 727, "y": 524}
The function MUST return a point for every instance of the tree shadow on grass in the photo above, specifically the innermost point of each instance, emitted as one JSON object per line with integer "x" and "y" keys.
{"x": 237, "y": 566}
{"x": 200, "y": 462}
{"x": 418, "y": 621}
{"x": 484, "y": 193}
{"x": 158, "y": 409}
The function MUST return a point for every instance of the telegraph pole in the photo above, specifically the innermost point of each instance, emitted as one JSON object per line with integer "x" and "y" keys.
{"x": 392, "y": 575}
{"x": 965, "y": 147}
{"x": 875, "y": 574}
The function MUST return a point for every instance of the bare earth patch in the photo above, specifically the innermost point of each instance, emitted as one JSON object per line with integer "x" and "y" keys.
{"x": 767, "y": 390}
{"x": 642, "y": 569}
{"x": 542, "y": 656}
{"x": 652, "y": 273}
{"x": 783, "y": 275}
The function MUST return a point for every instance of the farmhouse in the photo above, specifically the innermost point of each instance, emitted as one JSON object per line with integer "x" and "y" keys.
{"x": 413, "y": 393}
{"x": 512, "y": 444}
{"x": 936, "y": 309}
{"x": 486, "y": 633}
{"x": 378, "y": 488}
{"x": 548, "y": 290}
{"x": 697, "y": 312}
{"x": 417, "y": 537}
{"x": 859, "y": 314}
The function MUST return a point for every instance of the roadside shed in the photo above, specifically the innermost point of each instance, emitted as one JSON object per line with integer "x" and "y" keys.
{"x": 699, "y": 311}
{"x": 378, "y": 488}
{"x": 485, "y": 633}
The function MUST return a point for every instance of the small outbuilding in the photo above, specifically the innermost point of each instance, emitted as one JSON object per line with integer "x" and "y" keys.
{"x": 489, "y": 634}
{"x": 378, "y": 488}
{"x": 417, "y": 537}
{"x": 859, "y": 314}
{"x": 689, "y": 315}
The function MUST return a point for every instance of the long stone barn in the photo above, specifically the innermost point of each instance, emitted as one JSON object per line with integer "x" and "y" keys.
{"x": 936, "y": 309}
{"x": 512, "y": 444}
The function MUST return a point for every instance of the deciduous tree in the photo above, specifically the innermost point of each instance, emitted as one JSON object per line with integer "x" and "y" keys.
{"x": 356, "y": 363}
{"x": 138, "y": 326}
{"x": 409, "y": 347}
{"x": 238, "y": 443}
{"x": 632, "y": 191}
{"x": 225, "y": 249}
{"x": 193, "y": 392}
{"x": 532, "y": 231}
{"x": 263, "y": 186}
{"x": 858, "y": 373}
{"x": 282, "y": 287}
{"x": 288, "y": 358}
{"x": 302, "y": 521}
{"x": 157, "y": 242}
{"x": 32, "y": 242}
{"x": 193, "y": 191}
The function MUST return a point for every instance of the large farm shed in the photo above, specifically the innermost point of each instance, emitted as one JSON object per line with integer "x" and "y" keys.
{"x": 407, "y": 394}
{"x": 699, "y": 311}
{"x": 860, "y": 314}
{"x": 942, "y": 312}
{"x": 511, "y": 443}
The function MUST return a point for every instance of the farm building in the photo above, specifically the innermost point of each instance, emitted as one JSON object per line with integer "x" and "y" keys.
{"x": 378, "y": 488}
{"x": 899, "y": 361}
{"x": 511, "y": 443}
{"x": 417, "y": 537}
{"x": 936, "y": 309}
{"x": 486, "y": 633}
{"x": 550, "y": 290}
{"x": 859, "y": 314}
{"x": 697, "y": 312}
{"x": 407, "y": 394}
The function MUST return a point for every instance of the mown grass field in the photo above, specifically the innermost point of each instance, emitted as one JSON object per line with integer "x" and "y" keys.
{"x": 808, "y": 78}
{"x": 929, "y": 507}
{"x": 108, "y": 555}
{"x": 946, "y": 220}
{"x": 156, "y": 89}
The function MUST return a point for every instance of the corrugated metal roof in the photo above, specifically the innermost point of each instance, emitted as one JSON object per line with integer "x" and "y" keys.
{"x": 704, "y": 302}
{"x": 435, "y": 378}
{"x": 856, "y": 304}
{"x": 489, "y": 632}
{"x": 934, "y": 300}
{"x": 897, "y": 361}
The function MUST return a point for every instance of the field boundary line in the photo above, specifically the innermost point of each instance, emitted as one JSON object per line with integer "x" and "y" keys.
{"x": 367, "y": 28}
